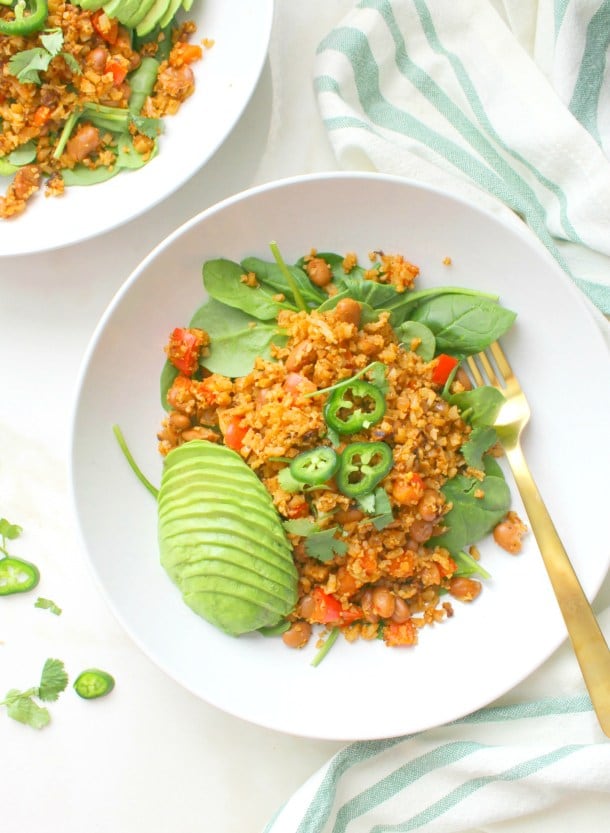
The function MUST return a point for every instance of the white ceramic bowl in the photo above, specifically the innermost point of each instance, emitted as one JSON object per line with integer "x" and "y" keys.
{"x": 225, "y": 81}
{"x": 364, "y": 690}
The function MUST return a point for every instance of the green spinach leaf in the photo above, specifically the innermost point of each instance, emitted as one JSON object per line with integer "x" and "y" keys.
{"x": 236, "y": 339}
{"x": 409, "y": 330}
{"x": 271, "y": 276}
{"x": 479, "y": 406}
{"x": 222, "y": 279}
{"x": 463, "y": 324}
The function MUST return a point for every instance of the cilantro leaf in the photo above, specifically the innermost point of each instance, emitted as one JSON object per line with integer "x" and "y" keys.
{"x": 468, "y": 566}
{"x": 73, "y": 64}
{"x": 21, "y": 707}
{"x": 378, "y": 505}
{"x": 47, "y": 604}
{"x": 148, "y": 127}
{"x": 378, "y": 377}
{"x": 324, "y": 546}
{"x": 53, "y": 680}
{"x": 26, "y": 65}
{"x": 52, "y": 40}
{"x": 9, "y": 530}
{"x": 301, "y": 526}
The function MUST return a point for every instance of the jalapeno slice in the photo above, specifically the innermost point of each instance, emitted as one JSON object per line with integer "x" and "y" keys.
{"x": 315, "y": 466}
{"x": 93, "y": 683}
{"x": 362, "y": 467}
{"x": 17, "y": 576}
{"x": 26, "y": 24}
{"x": 354, "y": 406}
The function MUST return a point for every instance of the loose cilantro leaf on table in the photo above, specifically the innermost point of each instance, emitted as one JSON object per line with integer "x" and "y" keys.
{"x": 47, "y": 604}
{"x": 22, "y": 705}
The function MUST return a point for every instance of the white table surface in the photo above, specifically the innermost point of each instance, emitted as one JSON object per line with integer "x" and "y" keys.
{"x": 151, "y": 757}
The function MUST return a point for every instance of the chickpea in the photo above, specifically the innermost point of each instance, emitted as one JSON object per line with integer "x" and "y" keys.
{"x": 402, "y": 612}
{"x": 349, "y": 311}
{"x": 179, "y": 421}
{"x": 168, "y": 435}
{"x": 346, "y": 583}
{"x": 431, "y": 504}
{"x": 319, "y": 271}
{"x": 464, "y": 589}
{"x": 307, "y": 607}
{"x": 297, "y": 636}
{"x": 300, "y": 355}
{"x": 508, "y": 533}
{"x": 421, "y": 531}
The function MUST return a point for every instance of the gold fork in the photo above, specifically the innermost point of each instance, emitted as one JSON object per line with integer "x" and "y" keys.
{"x": 587, "y": 639}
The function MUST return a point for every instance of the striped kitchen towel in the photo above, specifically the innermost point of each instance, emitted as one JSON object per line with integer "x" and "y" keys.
{"x": 541, "y": 767}
{"x": 503, "y": 101}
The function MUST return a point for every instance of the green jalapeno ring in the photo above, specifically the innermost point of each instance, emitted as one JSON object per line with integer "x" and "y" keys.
{"x": 17, "y": 576}
{"x": 344, "y": 410}
{"x": 315, "y": 466}
{"x": 362, "y": 466}
{"x": 93, "y": 683}
{"x": 26, "y": 24}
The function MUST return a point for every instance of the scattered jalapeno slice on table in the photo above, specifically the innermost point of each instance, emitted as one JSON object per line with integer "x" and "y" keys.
{"x": 17, "y": 576}
{"x": 354, "y": 406}
{"x": 315, "y": 466}
{"x": 24, "y": 24}
{"x": 362, "y": 467}
{"x": 93, "y": 683}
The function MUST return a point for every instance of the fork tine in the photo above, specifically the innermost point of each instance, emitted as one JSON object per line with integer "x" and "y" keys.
{"x": 474, "y": 369}
{"x": 489, "y": 369}
{"x": 501, "y": 360}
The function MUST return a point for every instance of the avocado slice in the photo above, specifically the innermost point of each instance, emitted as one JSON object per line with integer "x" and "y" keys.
{"x": 221, "y": 539}
{"x": 139, "y": 13}
{"x": 121, "y": 9}
{"x": 152, "y": 17}
{"x": 170, "y": 13}
{"x": 91, "y": 5}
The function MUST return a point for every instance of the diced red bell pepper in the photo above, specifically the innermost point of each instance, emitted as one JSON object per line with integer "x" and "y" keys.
{"x": 444, "y": 366}
{"x": 118, "y": 70}
{"x": 184, "y": 348}
{"x": 235, "y": 433}
{"x": 106, "y": 27}
{"x": 327, "y": 608}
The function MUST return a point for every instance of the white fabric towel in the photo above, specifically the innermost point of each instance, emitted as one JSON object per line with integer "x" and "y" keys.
{"x": 505, "y": 102}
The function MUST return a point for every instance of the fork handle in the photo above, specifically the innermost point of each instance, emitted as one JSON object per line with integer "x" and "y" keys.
{"x": 585, "y": 634}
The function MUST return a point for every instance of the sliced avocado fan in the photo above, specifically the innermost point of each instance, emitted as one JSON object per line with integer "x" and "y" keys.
{"x": 221, "y": 539}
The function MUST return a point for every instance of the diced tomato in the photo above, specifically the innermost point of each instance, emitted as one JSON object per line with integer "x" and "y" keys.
{"x": 327, "y": 608}
{"x": 235, "y": 433}
{"x": 184, "y": 53}
{"x": 443, "y": 368}
{"x": 184, "y": 348}
{"x": 118, "y": 70}
{"x": 106, "y": 27}
{"x": 41, "y": 115}
{"x": 352, "y": 614}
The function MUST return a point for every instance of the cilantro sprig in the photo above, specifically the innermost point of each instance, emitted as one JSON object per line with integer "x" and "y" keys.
{"x": 23, "y": 706}
{"x": 26, "y": 66}
{"x": 319, "y": 543}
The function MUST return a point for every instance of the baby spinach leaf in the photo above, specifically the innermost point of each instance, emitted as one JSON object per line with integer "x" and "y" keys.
{"x": 23, "y": 155}
{"x": 463, "y": 324}
{"x": 479, "y": 406}
{"x": 270, "y": 275}
{"x": 468, "y": 566}
{"x": 168, "y": 374}
{"x": 335, "y": 261}
{"x": 470, "y": 517}
{"x": 126, "y": 154}
{"x": 81, "y": 175}
{"x": 223, "y": 281}
{"x": 236, "y": 339}
{"x": 481, "y": 440}
{"x": 410, "y": 330}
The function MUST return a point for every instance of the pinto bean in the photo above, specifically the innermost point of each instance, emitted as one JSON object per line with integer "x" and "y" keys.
{"x": 508, "y": 533}
{"x": 464, "y": 589}
{"x": 319, "y": 271}
{"x": 297, "y": 636}
{"x": 84, "y": 142}
{"x": 302, "y": 354}
{"x": 97, "y": 59}
{"x": 349, "y": 311}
